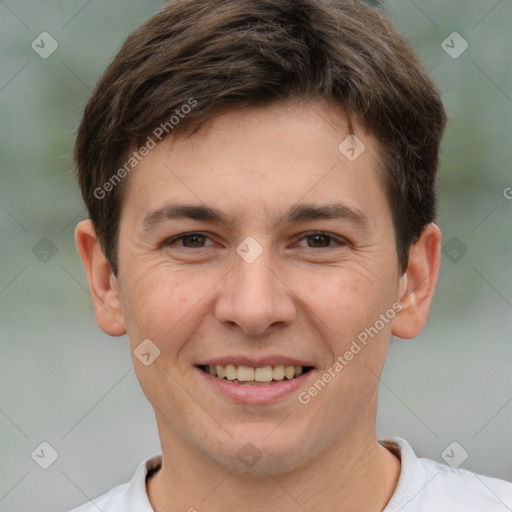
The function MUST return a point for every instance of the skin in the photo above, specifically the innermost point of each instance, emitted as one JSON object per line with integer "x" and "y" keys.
{"x": 198, "y": 299}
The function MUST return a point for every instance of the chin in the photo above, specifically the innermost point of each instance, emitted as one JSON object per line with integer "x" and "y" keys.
{"x": 261, "y": 455}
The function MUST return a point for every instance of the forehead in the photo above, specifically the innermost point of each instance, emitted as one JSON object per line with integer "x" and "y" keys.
{"x": 250, "y": 161}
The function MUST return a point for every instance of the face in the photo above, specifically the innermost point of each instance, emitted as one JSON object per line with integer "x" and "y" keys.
{"x": 285, "y": 258}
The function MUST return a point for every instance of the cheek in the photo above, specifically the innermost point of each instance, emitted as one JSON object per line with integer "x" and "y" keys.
{"x": 166, "y": 308}
{"x": 161, "y": 306}
{"x": 347, "y": 302}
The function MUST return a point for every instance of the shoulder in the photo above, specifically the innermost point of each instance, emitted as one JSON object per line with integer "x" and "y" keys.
{"x": 460, "y": 489}
{"x": 128, "y": 497}
{"x": 425, "y": 485}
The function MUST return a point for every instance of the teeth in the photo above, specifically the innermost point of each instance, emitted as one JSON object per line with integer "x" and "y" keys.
{"x": 249, "y": 374}
{"x": 230, "y": 371}
{"x": 289, "y": 372}
{"x": 279, "y": 372}
{"x": 265, "y": 374}
{"x": 221, "y": 372}
{"x": 245, "y": 373}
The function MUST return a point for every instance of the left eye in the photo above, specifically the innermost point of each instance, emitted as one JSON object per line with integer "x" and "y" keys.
{"x": 319, "y": 240}
{"x": 322, "y": 240}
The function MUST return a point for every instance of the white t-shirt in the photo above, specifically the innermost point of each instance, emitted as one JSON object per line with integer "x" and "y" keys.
{"x": 424, "y": 486}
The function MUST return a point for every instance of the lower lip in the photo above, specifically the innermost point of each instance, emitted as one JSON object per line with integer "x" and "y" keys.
{"x": 255, "y": 393}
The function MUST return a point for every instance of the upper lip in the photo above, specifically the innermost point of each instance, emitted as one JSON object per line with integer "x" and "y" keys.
{"x": 255, "y": 362}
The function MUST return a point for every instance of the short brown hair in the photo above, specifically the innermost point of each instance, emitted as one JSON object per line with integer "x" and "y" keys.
{"x": 225, "y": 54}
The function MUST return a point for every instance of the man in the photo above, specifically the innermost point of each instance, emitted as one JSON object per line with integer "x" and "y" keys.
{"x": 260, "y": 180}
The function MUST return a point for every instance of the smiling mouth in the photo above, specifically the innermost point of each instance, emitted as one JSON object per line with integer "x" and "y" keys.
{"x": 255, "y": 376}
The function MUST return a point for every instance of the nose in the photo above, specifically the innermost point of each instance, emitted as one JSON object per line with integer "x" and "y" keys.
{"x": 254, "y": 297}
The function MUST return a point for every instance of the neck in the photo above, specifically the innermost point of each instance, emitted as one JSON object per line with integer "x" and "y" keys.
{"x": 356, "y": 474}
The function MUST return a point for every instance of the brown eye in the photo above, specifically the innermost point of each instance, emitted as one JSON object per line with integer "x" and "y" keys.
{"x": 320, "y": 240}
{"x": 189, "y": 241}
{"x": 194, "y": 240}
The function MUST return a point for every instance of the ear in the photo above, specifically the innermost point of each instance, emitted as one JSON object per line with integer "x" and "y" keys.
{"x": 102, "y": 281}
{"x": 418, "y": 284}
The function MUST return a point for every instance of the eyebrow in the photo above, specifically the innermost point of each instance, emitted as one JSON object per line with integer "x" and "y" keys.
{"x": 297, "y": 213}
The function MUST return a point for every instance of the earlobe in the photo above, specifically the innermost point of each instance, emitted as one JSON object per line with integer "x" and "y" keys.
{"x": 102, "y": 282}
{"x": 418, "y": 284}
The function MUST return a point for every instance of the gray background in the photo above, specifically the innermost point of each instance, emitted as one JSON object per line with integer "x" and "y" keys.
{"x": 67, "y": 383}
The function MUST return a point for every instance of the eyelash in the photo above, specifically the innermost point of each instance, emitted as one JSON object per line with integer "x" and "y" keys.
{"x": 341, "y": 242}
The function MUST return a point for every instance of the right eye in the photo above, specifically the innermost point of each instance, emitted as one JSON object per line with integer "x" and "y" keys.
{"x": 188, "y": 240}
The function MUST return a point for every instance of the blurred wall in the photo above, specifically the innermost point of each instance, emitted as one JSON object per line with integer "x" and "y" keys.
{"x": 66, "y": 383}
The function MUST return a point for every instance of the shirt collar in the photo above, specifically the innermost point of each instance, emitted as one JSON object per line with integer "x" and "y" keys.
{"x": 411, "y": 480}
{"x": 136, "y": 499}
{"x": 412, "y": 473}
